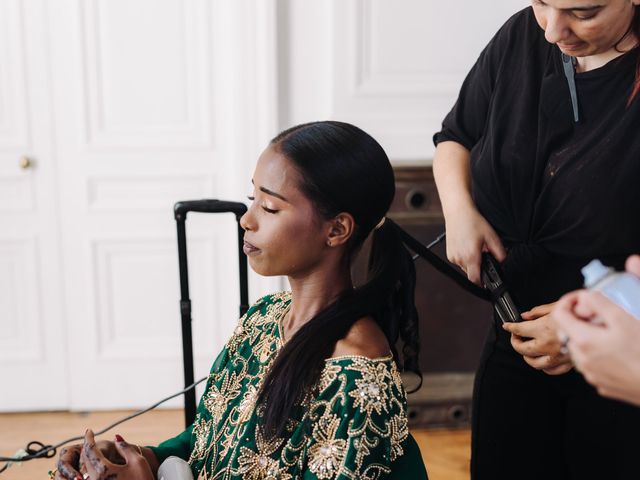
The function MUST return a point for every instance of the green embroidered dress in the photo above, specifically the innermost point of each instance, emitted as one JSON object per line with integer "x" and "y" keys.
{"x": 352, "y": 426}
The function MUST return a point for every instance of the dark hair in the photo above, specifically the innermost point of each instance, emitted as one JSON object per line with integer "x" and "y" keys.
{"x": 635, "y": 29}
{"x": 343, "y": 169}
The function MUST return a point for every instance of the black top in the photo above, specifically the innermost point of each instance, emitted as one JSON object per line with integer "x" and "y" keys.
{"x": 558, "y": 193}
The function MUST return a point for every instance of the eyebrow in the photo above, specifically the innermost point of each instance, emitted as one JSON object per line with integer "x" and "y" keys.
{"x": 583, "y": 9}
{"x": 586, "y": 8}
{"x": 270, "y": 192}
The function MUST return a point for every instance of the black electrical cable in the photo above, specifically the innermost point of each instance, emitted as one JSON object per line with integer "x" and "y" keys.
{"x": 439, "y": 264}
{"x": 48, "y": 451}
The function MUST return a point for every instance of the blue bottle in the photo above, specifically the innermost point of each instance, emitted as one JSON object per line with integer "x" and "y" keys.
{"x": 620, "y": 287}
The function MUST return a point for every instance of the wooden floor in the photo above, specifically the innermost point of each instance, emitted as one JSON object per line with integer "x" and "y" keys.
{"x": 446, "y": 453}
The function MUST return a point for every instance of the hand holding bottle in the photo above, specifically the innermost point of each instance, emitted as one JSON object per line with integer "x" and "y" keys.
{"x": 603, "y": 338}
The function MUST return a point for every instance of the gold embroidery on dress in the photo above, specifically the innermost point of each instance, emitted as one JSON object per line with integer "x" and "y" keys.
{"x": 239, "y": 334}
{"x": 217, "y": 397}
{"x": 399, "y": 433}
{"x": 259, "y": 465}
{"x": 329, "y": 375}
{"x": 326, "y": 455}
{"x": 247, "y": 404}
{"x": 201, "y": 431}
{"x": 352, "y": 424}
{"x": 396, "y": 377}
{"x": 375, "y": 395}
{"x": 371, "y": 394}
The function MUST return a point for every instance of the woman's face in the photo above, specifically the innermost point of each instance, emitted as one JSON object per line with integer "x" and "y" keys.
{"x": 283, "y": 232}
{"x": 582, "y": 28}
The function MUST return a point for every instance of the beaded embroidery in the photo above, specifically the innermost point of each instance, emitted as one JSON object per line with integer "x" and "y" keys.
{"x": 351, "y": 426}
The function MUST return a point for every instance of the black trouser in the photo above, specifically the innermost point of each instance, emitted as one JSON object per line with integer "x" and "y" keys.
{"x": 530, "y": 425}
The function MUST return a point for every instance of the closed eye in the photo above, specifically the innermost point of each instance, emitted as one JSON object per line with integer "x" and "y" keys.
{"x": 583, "y": 18}
{"x": 266, "y": 209}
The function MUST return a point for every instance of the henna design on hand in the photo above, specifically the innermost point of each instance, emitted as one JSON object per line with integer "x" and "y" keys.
{"x": 94, "y": 460}
{"x": 65, "y": 467}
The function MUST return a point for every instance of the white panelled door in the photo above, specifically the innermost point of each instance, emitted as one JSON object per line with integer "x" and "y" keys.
{"x": 147, "y": 107}
{"x": 398, "y": 66}
{"x": 110, "y": 112}
{"x": 32, "y": 340}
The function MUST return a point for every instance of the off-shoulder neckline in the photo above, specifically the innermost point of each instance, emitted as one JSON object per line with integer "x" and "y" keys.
{"x": 286, "y": 297}
{"x": 359, "y": 357}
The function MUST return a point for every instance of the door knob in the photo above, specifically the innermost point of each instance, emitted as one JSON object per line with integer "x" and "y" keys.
{"x": 25, "y": 162}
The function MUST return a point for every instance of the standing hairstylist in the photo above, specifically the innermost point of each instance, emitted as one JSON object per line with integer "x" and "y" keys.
{"x": 538, "y": 163}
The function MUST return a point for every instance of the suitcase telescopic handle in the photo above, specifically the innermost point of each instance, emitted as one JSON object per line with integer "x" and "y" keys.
{"x": 181, "y": 209}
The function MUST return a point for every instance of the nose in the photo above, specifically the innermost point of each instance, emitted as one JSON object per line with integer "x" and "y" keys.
{"x": 247, "y": 221}
{"x": 556, "y": 28}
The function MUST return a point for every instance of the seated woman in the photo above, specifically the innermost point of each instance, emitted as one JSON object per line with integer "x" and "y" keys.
{"x": 308, "y": 386}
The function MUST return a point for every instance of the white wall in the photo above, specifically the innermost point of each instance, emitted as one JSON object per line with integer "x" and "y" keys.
{"x": 391, "y": 67}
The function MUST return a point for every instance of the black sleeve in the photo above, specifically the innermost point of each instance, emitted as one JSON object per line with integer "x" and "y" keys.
{"x": 466, "y": 121}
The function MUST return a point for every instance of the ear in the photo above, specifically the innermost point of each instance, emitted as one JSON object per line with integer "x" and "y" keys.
{"x": 341, "y": 229}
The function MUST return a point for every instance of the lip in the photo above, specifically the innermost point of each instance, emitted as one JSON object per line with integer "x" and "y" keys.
{"x": 248, "y": 248}
{"x": 570, "y": 46}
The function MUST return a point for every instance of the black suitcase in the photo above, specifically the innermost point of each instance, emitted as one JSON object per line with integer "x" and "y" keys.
{"x": 181, "y": 209}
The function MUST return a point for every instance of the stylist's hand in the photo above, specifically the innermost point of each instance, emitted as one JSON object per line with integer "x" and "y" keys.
{"x": 536, "y": 339}
{"x": 468, "y": 235}
{"x": 98, "y": 467}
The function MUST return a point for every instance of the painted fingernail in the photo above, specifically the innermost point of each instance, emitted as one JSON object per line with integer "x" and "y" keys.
{"x": 119, "y": 438}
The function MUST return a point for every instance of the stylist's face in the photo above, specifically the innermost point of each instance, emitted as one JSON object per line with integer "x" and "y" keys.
{"x": 584, "y": 27}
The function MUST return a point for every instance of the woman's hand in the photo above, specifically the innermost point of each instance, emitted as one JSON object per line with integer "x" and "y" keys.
{"x": 99, "y": 467}
{"x": 604, "y": 343}
{"x": 69, "y": 465}
{"x": 536, "y": 339}
{"x": 468, "y": 235}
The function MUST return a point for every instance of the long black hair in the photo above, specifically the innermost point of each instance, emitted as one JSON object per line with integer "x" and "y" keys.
{"x": 343, "y": 169}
